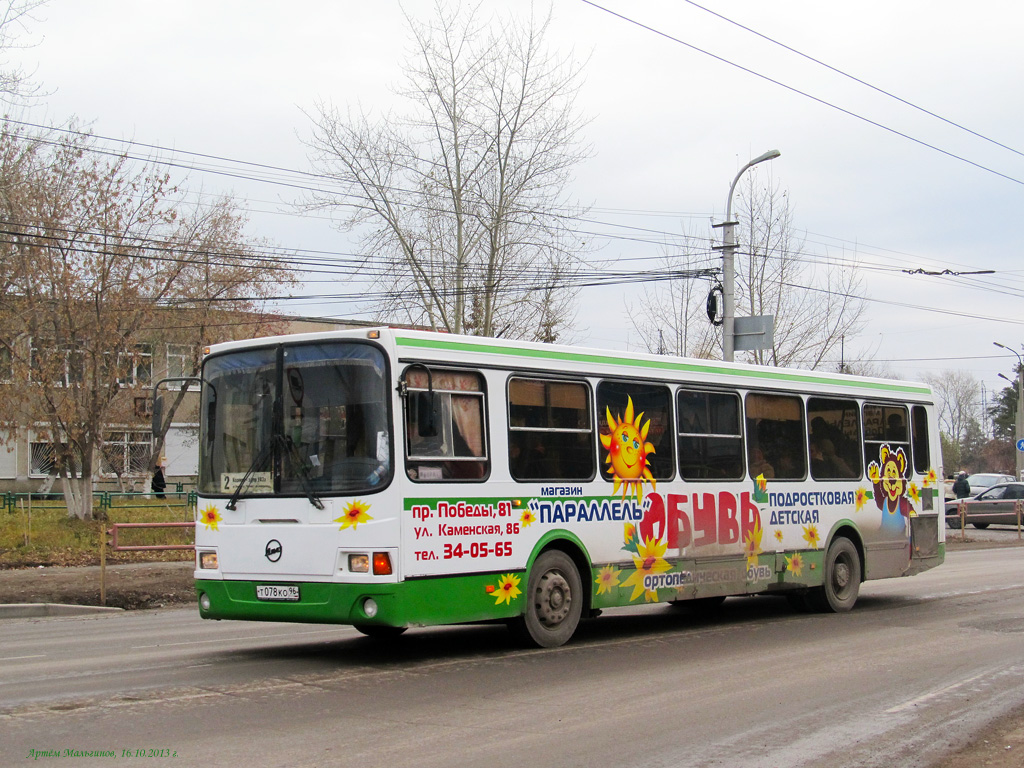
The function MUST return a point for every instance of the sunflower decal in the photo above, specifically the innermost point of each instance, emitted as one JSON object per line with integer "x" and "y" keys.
{"x": 209, "y": 516}
{"x": 507, "y": 589}
{"x": 795, "y": 565}
{"x": 628, "y": 450}
{"x": 607, "y": 578}
{"x": 649, "y": 560}
{"x": 914, "y": 493}
{"x": 811, "y": 536}
{"x": 863, "y": 494}
{"x": 527, "y": 519}
{"x": 752, "y": 543}
{"x": 355, "y": 513}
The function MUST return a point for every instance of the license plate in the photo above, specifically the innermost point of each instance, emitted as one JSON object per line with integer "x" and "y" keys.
{"x": 289, "y": 592}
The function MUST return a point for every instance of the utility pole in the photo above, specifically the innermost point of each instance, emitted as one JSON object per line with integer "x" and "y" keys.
{"x": 729, "y": 264}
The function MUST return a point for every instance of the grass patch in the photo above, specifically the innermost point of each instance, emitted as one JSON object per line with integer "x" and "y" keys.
{"x": 47, "y": 536}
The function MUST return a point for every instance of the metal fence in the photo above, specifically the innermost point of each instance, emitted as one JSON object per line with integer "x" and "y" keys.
{"x": 104, "y": 500}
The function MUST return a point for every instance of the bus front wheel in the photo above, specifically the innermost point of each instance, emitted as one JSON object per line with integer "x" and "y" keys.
{"x": 554, "y": 602}
{"x": 842, "y": 578}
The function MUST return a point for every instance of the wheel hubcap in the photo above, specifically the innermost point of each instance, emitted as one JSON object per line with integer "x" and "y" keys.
{"x": 841, "y": 577}
{"x": 554, "y": 599}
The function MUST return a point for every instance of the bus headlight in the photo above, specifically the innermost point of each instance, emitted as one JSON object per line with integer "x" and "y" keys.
{"x": 204, "y": 601}
{"x": 208, "y": 561}
{"x": 359, "y": 563}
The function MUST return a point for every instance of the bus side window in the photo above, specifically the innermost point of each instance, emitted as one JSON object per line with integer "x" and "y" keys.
{"x": 455, "y": 448}
{"x": 922, "y": 456}
{"x": 710, "y": 443}
{"x": 834, "y": 438}
{"x": 550, "y": 434}
{"x": 775, "y": 436}
{"x": 652, "y": 406}
{"x": 886, "y": 425}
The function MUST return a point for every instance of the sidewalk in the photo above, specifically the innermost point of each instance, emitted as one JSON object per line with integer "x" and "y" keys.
{"x": 57, "y": 591}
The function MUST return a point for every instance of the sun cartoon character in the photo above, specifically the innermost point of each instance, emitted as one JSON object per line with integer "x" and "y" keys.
{"x": 628, "y": 450}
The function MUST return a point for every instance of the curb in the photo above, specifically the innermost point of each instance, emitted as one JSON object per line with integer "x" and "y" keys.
{"x": 42, "y": 610}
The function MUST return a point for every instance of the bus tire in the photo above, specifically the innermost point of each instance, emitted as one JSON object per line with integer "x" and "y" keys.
{"x": 379, "y": 632}
{"x": 980, "y": 526}
{"x": 842, "y": 578}
{"x": 554, "y": 602}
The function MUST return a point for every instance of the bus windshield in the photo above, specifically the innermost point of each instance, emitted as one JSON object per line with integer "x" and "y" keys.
{"x": 297, "y": 419}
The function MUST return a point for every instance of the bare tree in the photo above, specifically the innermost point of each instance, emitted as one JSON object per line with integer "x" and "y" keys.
{"x": 815, "y": 305}
{"x": 15, "y": 17}
{"x": 959, "y": 399}
{"x": 461, "y": 201}
{"x": 672, "y": 314}
{"x": 94, "y": 248}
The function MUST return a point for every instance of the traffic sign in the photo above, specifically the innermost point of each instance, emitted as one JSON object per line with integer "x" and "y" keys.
{"x": 1020, "y": 444}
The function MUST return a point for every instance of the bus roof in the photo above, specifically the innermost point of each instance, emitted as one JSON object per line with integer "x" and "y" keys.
{"x": 490, "y": 352}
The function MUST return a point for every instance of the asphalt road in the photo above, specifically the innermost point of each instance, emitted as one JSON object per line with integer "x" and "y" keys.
{"x": 908, "y": 676}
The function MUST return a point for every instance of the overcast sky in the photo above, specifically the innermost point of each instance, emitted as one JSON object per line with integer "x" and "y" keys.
{"x": 670, "y": 127}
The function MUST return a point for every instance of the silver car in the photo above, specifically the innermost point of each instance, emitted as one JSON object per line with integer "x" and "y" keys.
{"x": 996, "y": 505}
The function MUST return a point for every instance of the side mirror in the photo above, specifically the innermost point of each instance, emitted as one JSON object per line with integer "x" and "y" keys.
{"x": 426, "y": 407}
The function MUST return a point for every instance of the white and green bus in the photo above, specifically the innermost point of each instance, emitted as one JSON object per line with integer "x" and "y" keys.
{"x": 391, "y": 479}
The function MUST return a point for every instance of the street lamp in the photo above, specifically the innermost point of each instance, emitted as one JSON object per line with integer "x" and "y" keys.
{"x": 1019, "y": 428}
{"x": 729, "y": 264}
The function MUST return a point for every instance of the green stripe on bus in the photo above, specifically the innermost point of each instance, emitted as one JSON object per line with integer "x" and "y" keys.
{"x": 665, "y": 365}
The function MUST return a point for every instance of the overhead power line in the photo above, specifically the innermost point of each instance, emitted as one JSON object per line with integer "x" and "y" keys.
{"x": 799, "y": 92}
{"x": 855, "y": 79}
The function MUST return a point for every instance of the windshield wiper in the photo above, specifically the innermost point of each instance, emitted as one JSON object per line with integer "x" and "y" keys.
{"x": 300, "y": 467}
{"x": 261, "y": 457}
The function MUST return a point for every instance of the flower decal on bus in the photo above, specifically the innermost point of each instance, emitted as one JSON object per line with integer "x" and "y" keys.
{"x": 649, "y": 560}
{"x": 607, "y": 578}
{"x": 527, "y": 519}
{"x": 507, "y": 589}
{"x": 628, "y": 450}
{"x": 811, "y": 536}
{"x": 209, "y": 516}
{"x": 355, "y": 513}
{"x": 795, "y": 565}
{"x": 861, "y": 498}
{"x": 752, "y": 543}
{"x": 760, "y": 489}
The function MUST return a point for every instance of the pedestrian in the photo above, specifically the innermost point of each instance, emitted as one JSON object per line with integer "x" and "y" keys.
{"x": 961, "y": 488}
{"x": 158, "y": 483}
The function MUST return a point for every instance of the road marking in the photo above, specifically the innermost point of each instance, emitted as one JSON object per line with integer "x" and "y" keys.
{"x": 16, "y": 658}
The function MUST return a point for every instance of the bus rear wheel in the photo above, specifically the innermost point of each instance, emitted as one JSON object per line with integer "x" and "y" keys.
{"x": 554, "y": 602}
{"x": 842, "y": 578}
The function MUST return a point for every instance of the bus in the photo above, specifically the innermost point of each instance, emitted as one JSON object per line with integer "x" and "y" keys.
{"x": 389, "y": 479}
